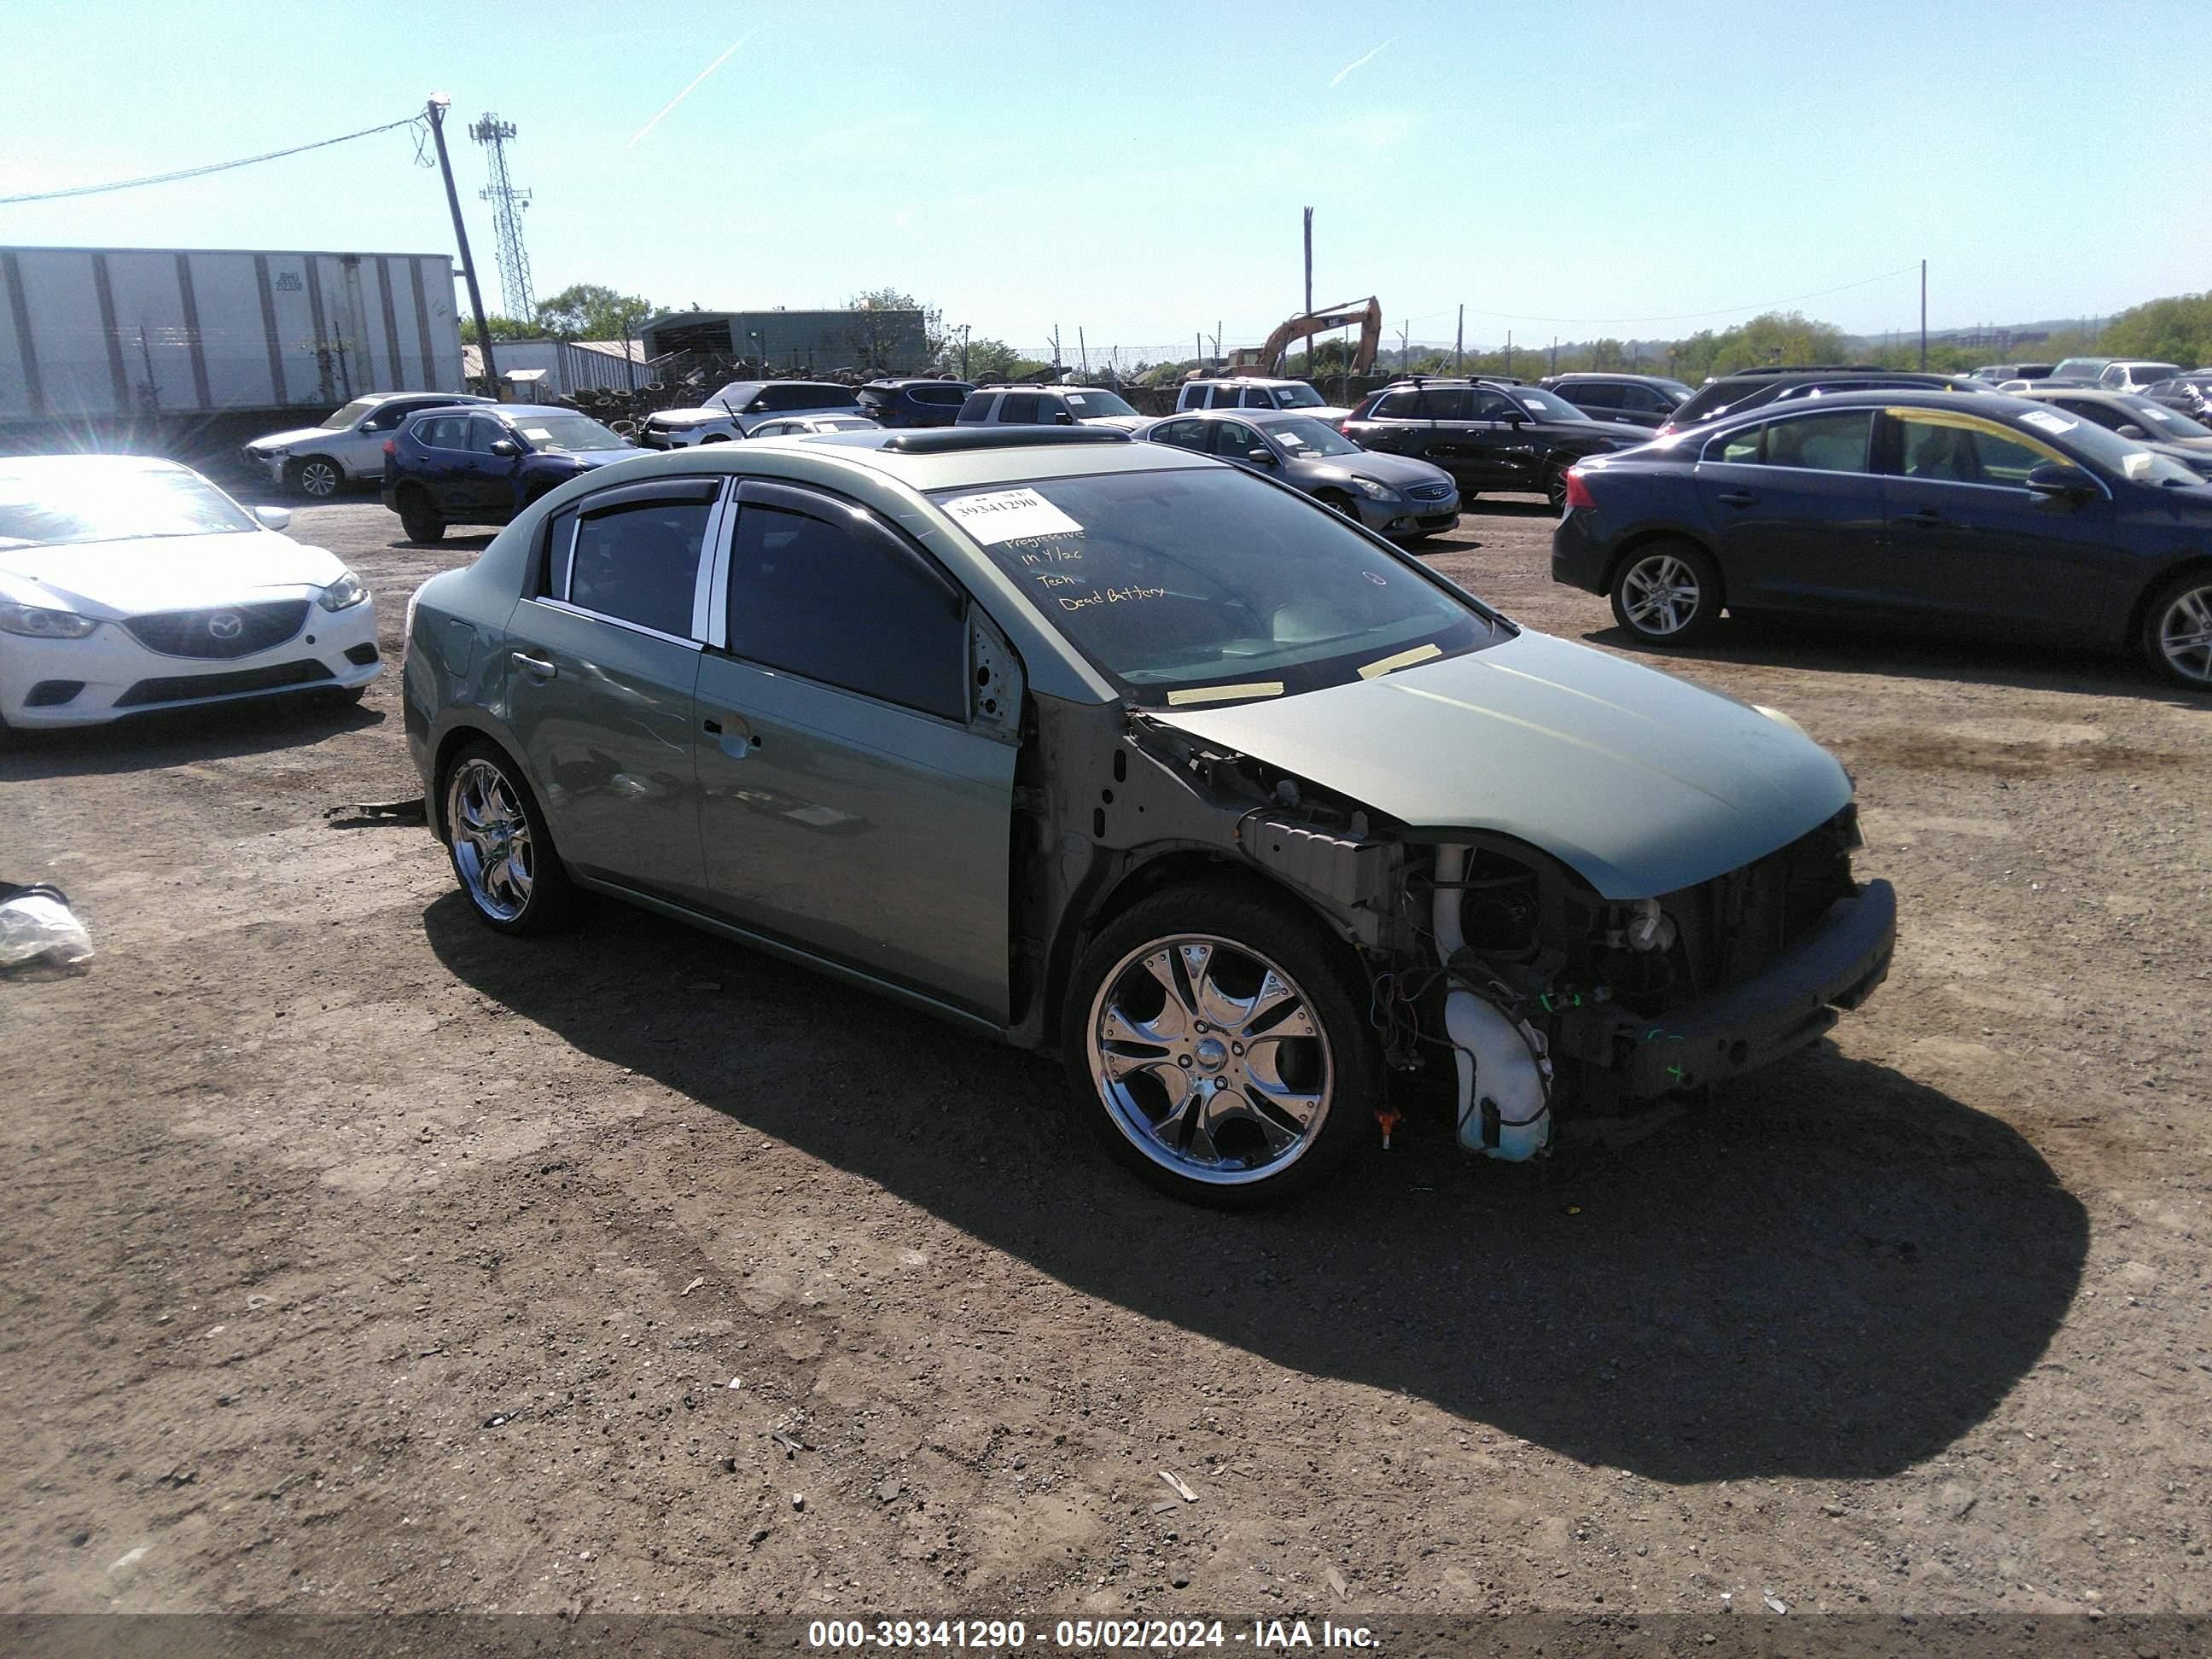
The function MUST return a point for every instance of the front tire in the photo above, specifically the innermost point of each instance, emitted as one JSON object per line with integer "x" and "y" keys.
{"x": 419, "y": 516}
{"x": 502, "y": 854}
{"x": 1216, "y": 1044}
{"x": 2177, "y": 634}
{"x": 1555, "y": 485}
{"x": 1667, "y": 593}
{"x": 316, "y": 476}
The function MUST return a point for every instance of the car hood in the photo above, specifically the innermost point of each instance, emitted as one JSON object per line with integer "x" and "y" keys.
{"x": 166, "y": 573}
{"x": 585, "y": 457}
{"x": 688, "y": 417}
{"x": 1398, "y": 470}
{"x": 1125, "y": 423}
{"x": 303, "y": 435}
{"x": 1640, "y": 783}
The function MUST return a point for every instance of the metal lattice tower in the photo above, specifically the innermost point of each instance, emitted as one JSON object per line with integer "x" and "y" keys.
{"x": 508, "y": 204}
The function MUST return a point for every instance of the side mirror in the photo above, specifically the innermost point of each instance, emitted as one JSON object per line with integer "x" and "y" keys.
{"x": 272, "y": 518}
{"x": 506, "y": 447}
{"x": 2129, "y": 429}
{"x": 1263, "y": 457}
{"x": 1063, "y": 419}
{"x": 2058, "y": 480}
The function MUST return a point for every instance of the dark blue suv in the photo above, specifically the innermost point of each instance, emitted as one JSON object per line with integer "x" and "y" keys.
{"x": 913, "y": 402}
{"x": 483, "y": 465}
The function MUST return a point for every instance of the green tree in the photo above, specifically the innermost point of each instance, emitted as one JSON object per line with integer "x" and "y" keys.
{"x": 875, "y": 335}
{"x": 2176, "y": 329}
{"x": 591, "y": 311}
{"x": 502, "y": 328}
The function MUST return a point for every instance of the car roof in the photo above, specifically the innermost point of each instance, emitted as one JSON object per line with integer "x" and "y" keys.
{"x": 1610, "y": 374}
{"x": 33, "y": 466}
{"x": 1245, "y": 379}
{"x": 1914, "y": 396}
{"x": 940, "y": 458}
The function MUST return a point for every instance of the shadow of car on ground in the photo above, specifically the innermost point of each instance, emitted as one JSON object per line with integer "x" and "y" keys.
{"x": 1832, "y": 644}
{"x": 1836, "y": 1272}
{"x": 178, "y": 737}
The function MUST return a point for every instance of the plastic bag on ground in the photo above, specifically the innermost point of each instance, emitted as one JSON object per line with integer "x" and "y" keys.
{"x": 38, "y": 930}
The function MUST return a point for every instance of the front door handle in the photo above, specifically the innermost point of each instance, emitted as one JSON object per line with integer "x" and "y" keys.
{"x": 1921, "y": 517}
{"x": 1740, "y": 498}
{"x": 536, "y": 667}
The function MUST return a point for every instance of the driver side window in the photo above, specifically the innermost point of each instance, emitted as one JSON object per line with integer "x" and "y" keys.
{"x": 483, "y": 434}
{"x": 1233, "y": 439}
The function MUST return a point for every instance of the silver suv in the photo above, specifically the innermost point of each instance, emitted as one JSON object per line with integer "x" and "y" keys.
{"x": 318, "y": 461}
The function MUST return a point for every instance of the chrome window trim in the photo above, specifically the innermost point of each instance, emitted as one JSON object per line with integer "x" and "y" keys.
{"x": 615, "y": 622}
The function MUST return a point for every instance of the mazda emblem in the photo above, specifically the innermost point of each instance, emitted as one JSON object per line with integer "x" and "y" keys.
{"x": 226, "y": 625}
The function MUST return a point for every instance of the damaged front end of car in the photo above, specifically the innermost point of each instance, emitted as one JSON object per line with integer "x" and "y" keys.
{"x": 1545, "y": 998}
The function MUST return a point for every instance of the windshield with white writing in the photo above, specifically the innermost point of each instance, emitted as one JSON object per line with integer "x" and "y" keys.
{"x": 1211, "y": 586}
{"x": 1297, "y": 396}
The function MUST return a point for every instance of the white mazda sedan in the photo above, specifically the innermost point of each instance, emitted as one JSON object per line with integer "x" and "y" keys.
{"x": 130, "y": 583}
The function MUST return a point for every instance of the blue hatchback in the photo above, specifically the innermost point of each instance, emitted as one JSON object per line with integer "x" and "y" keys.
{"x": 484, "y": 464}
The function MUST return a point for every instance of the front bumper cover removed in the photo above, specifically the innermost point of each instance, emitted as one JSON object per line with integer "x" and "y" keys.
{"x": 1794, "y": 1003}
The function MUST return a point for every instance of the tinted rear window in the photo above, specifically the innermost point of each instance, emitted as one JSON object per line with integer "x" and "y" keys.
{"x": 948, "y": 395}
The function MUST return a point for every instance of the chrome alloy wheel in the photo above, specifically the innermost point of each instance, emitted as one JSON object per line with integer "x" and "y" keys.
{"x": 1210, "y": 1060}
{"x": 492, "y": 849}
{"x": 2185, "y": 634}
{"x": 1660, "y": 595}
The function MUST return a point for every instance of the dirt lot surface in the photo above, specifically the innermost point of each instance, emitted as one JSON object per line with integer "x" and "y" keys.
{"x": 358, "y": 1258}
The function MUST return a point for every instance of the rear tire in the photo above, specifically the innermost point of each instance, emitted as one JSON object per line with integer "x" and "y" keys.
{"x": 418, "y": 517}
{"x": 1555, "y": 485}
{"x": 2176, "y": 635}
{"x": 1667, "y": 593}
{"x": 501, "y": 851}
{"x": 316, "y": 476}
{"x": 1214, "y": 1038}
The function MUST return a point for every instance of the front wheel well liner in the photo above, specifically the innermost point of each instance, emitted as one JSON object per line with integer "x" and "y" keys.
{"x": 1156, "y": 874}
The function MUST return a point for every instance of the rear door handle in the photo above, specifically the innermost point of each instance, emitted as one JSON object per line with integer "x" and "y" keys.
{"x": 537, "y": 667}
{"x": 1740, "y": 498}
{"x": 738, "y": 739}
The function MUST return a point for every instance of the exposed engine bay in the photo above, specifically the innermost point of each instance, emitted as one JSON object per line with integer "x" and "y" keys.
{"x": 1481, "y": 953}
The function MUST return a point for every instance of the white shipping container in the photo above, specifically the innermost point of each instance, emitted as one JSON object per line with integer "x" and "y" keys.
{"x": 114, "y": 331}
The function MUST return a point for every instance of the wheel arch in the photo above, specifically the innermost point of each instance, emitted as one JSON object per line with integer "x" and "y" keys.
{"x": 456, "y": 737}
{"x": 2139, "y": 612}
{"x": 1635, "y": 540}
{"x": 1155, "y": 872}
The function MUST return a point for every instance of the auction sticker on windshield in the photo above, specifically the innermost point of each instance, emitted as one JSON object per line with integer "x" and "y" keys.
{"x": 2048, "y": 422}
{"x": 1005, "y": 515}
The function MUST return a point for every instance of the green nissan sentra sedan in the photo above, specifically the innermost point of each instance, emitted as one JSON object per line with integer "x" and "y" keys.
{"x": 1113, "y": 750}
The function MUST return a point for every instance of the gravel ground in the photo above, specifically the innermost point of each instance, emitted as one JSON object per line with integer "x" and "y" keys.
{"x": 358, "y": 1258}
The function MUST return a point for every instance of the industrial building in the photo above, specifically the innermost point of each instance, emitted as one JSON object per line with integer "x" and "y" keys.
{"x": 805, "y": 342}
{"x": 106, "y": 332}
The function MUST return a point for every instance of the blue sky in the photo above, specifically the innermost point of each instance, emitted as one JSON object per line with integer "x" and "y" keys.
{"x": 1136, "y": 169}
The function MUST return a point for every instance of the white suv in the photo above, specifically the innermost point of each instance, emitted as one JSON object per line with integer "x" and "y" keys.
{"x": 318, "y": 461}
{"x": 1048, "y": 405}
{"x": 1250, "y": 391}
{"x": 2134, "y": 374}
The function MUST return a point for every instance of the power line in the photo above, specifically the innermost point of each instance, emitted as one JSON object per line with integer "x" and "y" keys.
{"x": 196, "y": 172}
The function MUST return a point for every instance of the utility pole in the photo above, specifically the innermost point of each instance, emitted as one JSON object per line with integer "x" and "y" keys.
{"x": 1405, "y": 352}
{"x": 1056, "y": 345}
{"x": 1555, "y": 354}
{"x": 1459, "y": 345}
{"x": 1309, "y": 310}
{"x": 1509, "y": 351}
{"x": 1082, "y": 351}
{"x": 1198, "y": 350}
{"x": 964, "y": 350}
{"x": 436, "y": 109}
{"x": 1923, "y": 314}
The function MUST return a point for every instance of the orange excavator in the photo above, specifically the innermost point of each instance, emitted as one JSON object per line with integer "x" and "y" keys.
{"x": 1367, "y": 313}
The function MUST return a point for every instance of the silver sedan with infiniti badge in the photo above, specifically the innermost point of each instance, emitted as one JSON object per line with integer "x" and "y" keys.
{"x": 1392, "y": 494}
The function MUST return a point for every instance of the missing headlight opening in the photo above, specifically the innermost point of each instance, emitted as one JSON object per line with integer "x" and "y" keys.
{"x": 1555, "y": 1002}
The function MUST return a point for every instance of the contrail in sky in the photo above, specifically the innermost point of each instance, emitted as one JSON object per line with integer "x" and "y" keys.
{"x": 1357, "y": 62}
{"x": 725, "y": 59}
